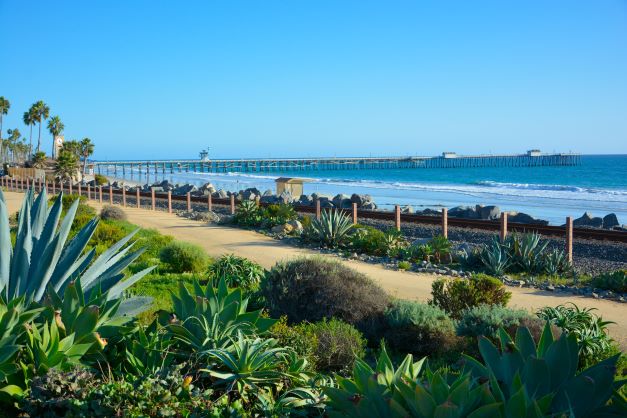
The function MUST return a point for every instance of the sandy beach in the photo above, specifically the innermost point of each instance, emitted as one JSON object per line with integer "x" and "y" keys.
{"x": 218, "y": 240}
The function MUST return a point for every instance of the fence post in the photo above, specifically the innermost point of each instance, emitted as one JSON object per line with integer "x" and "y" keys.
{"x": 209, "y": 203}
{"x": 445, "y": 222}
{"x": 124, "y": 196}
{"x": 169, "y": 201}
{"x": 110, "y": 194}
{"x": 354, "y": 213}
{"x": 100, "y": 194}
{"x": 138, "y": 197}
{"x": 189, "y": 202}
{"x": 152, "y": 197}
{"x": 397, "y": 217}
{"x": 70, "y": 192}
{"x": 54, "y": 187}
{"x": 503, "y": 226}
{"x": 317, "y": 209}
{"x": 232, "y": 204}
{"x": 569, "y": 238}
{"x": 88, "y": 191}
{"x": 80, "y": 189}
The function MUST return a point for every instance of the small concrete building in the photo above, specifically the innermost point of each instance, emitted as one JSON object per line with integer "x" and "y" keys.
{"x": 534, "y": 153}
{"x": 293, "y": 185}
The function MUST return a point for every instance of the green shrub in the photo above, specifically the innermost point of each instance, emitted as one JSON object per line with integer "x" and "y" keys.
{"x": 487, "y": 319}
{"x": 182, "y": 257}
{"x": 419, "y": 328}
{"x": 110, "y": 212}
{"x": 404, "y": 265}
{"x": 338, "y": 344}
{"x": 615, "y": 281}
{"x": 331, "y": 230}
{"x": 441, "y": 248}
{"x": 278, "y": 214}
{"x": 105, "y": 235}
{"x": 367, "y": 240}
{"x": 304, "y": 344}
{"x": 248, "y": 214}
{"x": 455, "y": 295}
{"x": 590, "y": 330}
{"x": 310, "y": 289}
{"x": 101, "y": 180}
{"x": 237, "y": 271}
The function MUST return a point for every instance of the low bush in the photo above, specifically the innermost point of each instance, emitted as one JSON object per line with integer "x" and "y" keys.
{"x": 455, "y": 295}
{"x": 615, "y": 281}
{"x": 310, "y": 289}
{"x": 418, "y": 328}
{"x": 101, "y": 180}
{"x": 278, "y": 214}
{"x": 305, "y": 344}
{"x": 441, "y": 248}
{"x": 332, "y": 230}
{"x": 367, "y": 239}
{"x": 338, "y": 345}
{"x": 487, "y": 319}
{"x": 404, "y": 265}
{"x": 183, "y": 257}
{"x": 248, "y": 214}
{"x": 237, "y": 271}
{"x": 110, "y": 212}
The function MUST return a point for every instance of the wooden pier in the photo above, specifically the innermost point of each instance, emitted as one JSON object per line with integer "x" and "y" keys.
{"x": 447, "y": 160}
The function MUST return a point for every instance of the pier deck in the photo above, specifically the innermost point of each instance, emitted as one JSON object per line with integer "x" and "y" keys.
{"x": 447, "y": 160}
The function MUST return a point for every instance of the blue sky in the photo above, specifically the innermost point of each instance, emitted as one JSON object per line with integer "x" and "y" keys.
{"x": 163, "y": 79}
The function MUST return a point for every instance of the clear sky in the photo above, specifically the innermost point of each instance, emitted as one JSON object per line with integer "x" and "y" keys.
{"x": 163, "y": 79}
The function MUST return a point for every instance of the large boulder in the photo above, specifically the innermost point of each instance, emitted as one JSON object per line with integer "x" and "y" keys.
{"x": 342, "y": 201}
{"x": 610, "y": 221}
{"x": 588, "y": 221}
{"x": 269, "y": 199}
{"x": 207, "y": 189}
{"x": 488, "y": 212}
{"x": 407, "y": 209}
{"x": 465, "y": 212}
{"x": 220, "y": 194}
{"x": 360, "y": 199}
{"x": 369, "y": 206}
{"x": 305, "y": 200}
{"x": 250, "y": 194}
{"x": 286, "y": 198}
{"x": 184, "y": 189}
{"x": 268, "y": 192}
{"x": 429, "y": 212}
{"x": 523, "y": 218}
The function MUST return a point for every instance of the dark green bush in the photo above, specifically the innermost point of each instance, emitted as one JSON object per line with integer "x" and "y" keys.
{"x": 487, "y": 319}
{"x": 338, "y": 344}
{"x": 237, "y": 271}
{"x": 278, "y": 214}
{"x": 419, "y": 328}
{"x": 303, "y": 343}
{"x": 182, "y": 257}
{"x": 110, "y": 212}
{"x": 456, "y": 294}
{"x": 310, "y": 289}
{"x": 615, "y": 281}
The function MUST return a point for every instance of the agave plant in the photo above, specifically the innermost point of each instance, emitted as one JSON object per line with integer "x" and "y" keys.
{"x": 248, "y": 213}
{"x": 441, "y": 247}
{"x": 148, "y": 351}
{"x": 527, "y": 251}
{"x": 237, "y": 271}
{"x": 331, "y": 229}
{"x": 388, "y": 392}
{"x": 555, "y": 262}
{"x": 545, "y": 376}
{"x": 208, "y": 317}
{"x": 41, "y": 262}
{"x": 495, "y": 258}
{"x": 248, "y": 364}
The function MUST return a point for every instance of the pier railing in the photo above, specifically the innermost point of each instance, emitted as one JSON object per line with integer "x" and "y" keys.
{"x": 169, "y": 202}
{"x": 155, "y": 168}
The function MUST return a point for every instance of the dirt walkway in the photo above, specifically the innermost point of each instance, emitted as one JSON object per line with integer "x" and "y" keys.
{"x": 218, "y": 240}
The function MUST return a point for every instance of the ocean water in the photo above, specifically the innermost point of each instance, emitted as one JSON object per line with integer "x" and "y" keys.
{"x": 598, "y": 186}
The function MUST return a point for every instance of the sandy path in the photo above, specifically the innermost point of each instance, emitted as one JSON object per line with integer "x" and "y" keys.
{"x": 217, "y": 240}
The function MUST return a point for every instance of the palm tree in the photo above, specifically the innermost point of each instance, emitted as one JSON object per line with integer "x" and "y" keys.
{"x": 66, "y": 165}
{"x": 55, "y": 127}
{"x": 39, "y": 159}
{"x": 30, "y": 118}
{"x": 73, "y": 147}
{"x": 42, "y": 111}
{"x": 4, "y": 109}
{"x": 14, "y": 136}
{"x": 87, "y": 149}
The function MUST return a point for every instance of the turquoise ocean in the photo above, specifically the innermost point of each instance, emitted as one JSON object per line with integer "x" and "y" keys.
{"x": 598, "y": 186}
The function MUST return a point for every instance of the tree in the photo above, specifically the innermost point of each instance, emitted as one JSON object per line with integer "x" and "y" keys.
{"x": 42, "y": 111}
{"x": 30, "y": 118}
{"x": 4, "y": 109}
{"x": 14, "y": 145}
{"x": 39, "y": 159}
{"x": 55, "y": 127}
{"x": 66, "y": 165}
{"x": 87, "y": 149}
{"x": 73, "y": 147}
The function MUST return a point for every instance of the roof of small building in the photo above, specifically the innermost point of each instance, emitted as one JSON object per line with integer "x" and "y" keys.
{"x": 291, "y": 180}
